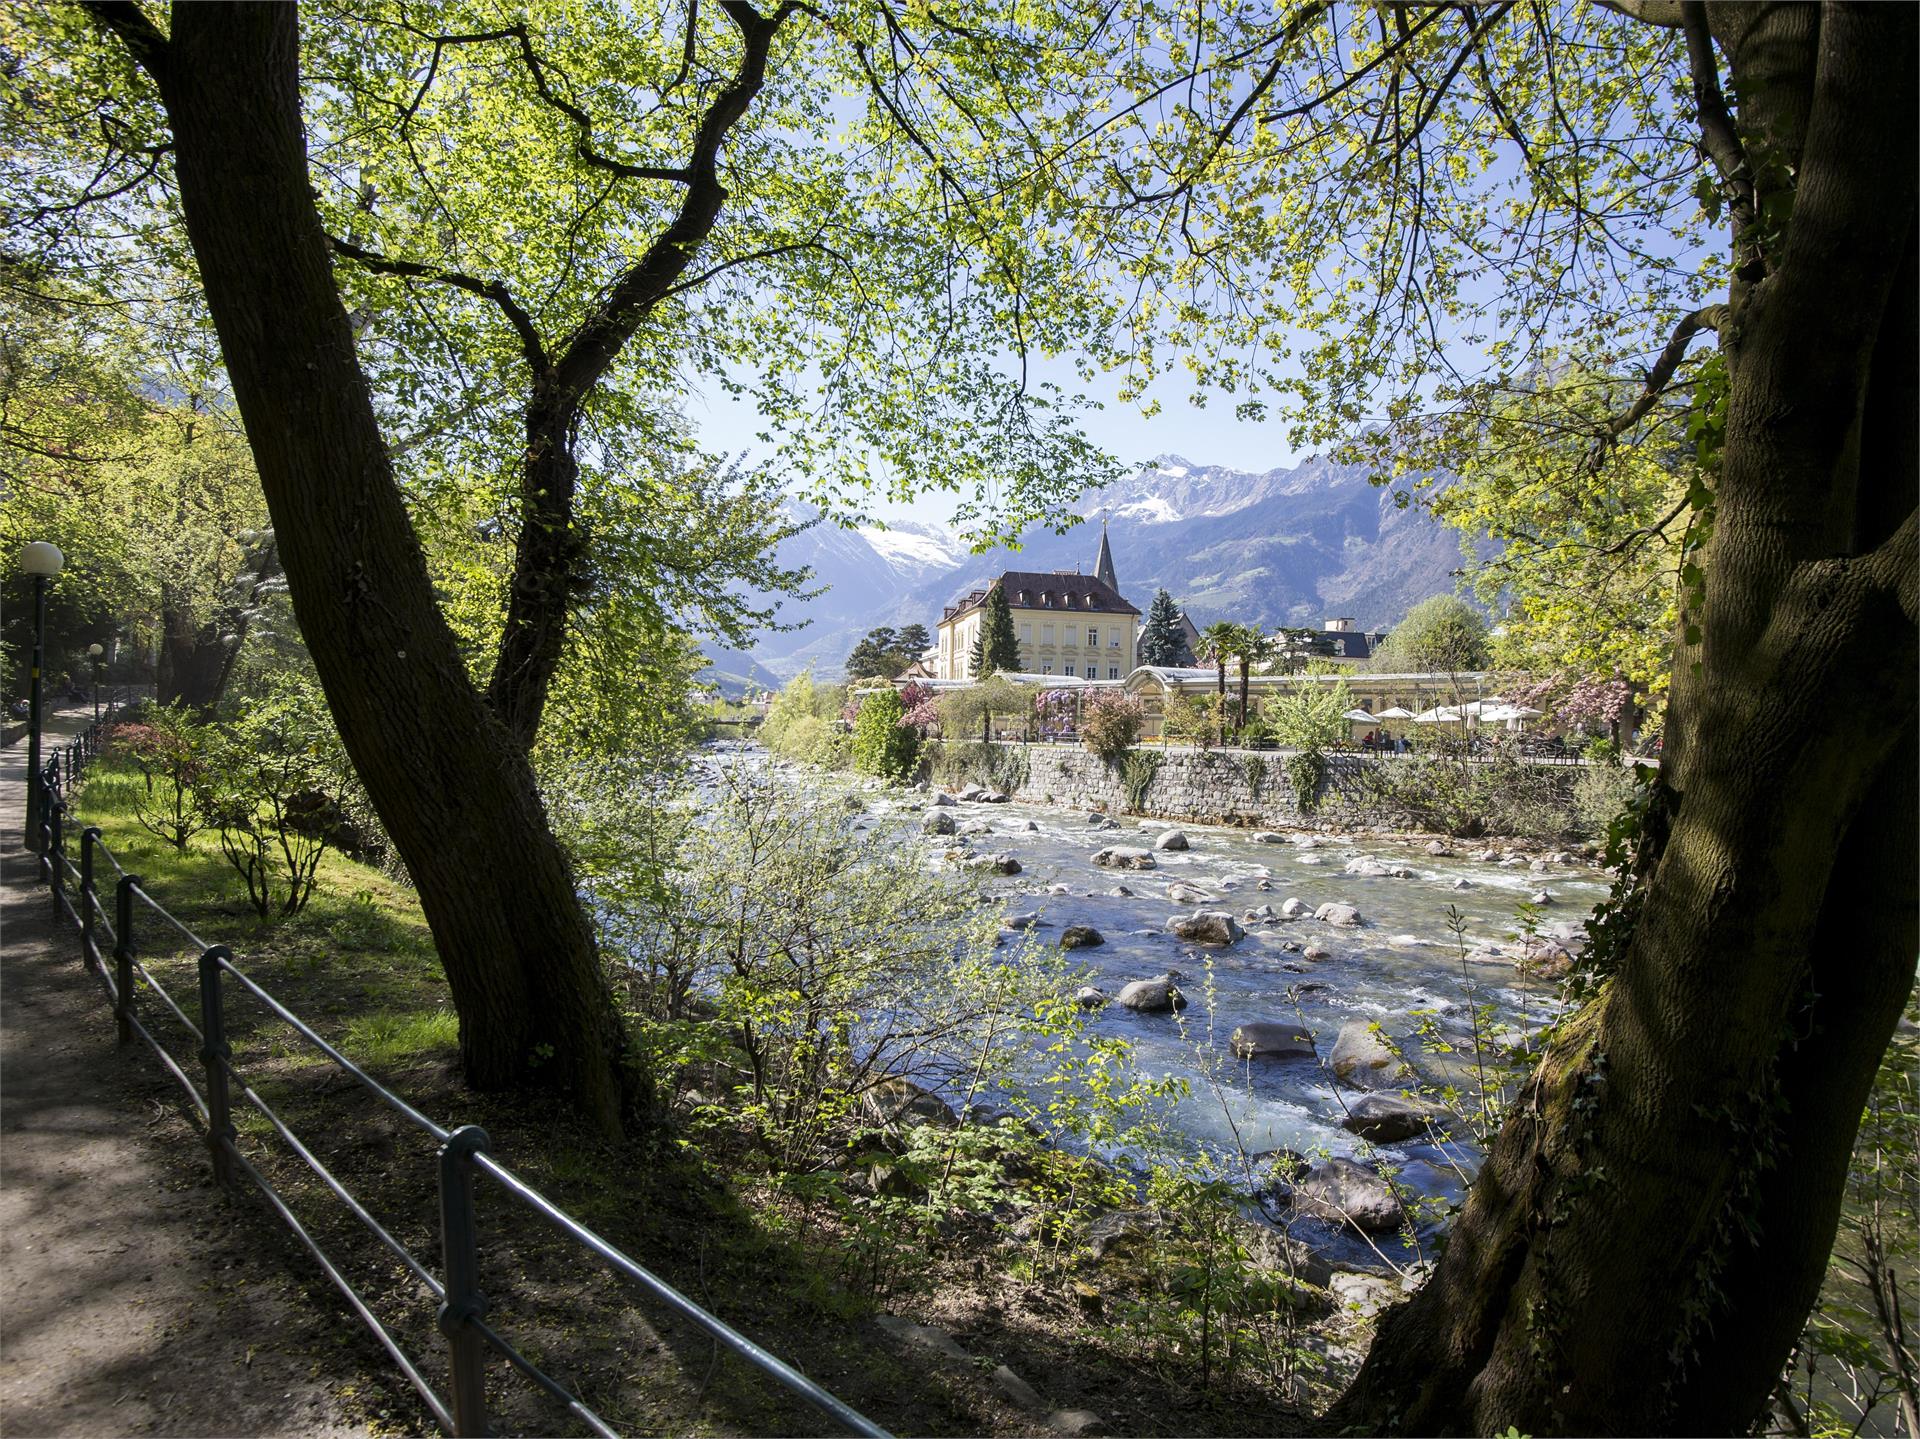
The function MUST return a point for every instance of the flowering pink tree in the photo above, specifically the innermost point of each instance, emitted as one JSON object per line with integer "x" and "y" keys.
{"x": 1112, "y": 722}
{"x": 922, "y": 708}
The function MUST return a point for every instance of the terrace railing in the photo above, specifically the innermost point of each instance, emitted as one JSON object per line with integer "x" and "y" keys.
{"x": 463, "y": 1157}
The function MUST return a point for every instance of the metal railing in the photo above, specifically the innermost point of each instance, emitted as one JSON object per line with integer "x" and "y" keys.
{"x": 463, "y": 1153}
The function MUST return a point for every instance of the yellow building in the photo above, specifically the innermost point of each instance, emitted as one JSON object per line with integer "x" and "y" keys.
{"x": 1067, "y": 623}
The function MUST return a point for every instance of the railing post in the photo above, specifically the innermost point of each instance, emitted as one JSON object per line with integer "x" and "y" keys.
{"x": 89, "y": 901}
{"x": 123, "y": 956}
{"x": 55, "y": 857}
{"x": 214, "y": 1054}
{"x": 460, "y": 1256}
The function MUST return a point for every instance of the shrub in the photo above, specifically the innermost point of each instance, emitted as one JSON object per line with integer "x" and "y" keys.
{"x": 1310, "y": 717}
{"x": 277, "y": 801}
{"x": 173, "y": 754}
{"x": 803, "y": 723}
{"x": 1306, "y": 772}
{"x": 1188, "y": 718}
{"x": 1137, "y": 769}
{"x": 884, "y": 743}
{"x": 1112, "y": 723}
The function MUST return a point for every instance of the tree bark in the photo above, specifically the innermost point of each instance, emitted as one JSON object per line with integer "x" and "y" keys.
{"x": 1652, "y": 1223}
{"x": 452, "y": 787}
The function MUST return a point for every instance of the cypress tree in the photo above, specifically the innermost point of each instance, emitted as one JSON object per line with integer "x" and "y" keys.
{"x": 997, "y": 650}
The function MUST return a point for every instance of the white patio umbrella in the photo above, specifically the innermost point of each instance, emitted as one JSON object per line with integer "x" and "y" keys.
{"x": 1360, "y": 716}
{"x": 1442, "y": 714}
{"x": 1396, "y": 713}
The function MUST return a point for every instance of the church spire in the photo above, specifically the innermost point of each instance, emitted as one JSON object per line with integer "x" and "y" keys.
{"x": 1103, "y": 566}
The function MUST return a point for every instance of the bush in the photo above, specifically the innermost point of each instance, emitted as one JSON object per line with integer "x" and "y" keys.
{"x": 1306, "y": 772}
{"x": 803, "y": 723}
{"x": 1600, "y": 794}
{"x": 1198, "y": 720}
{"x": 1310, "y": 717}
{"x": 173, "y": 754}
{"x": 883, "y": 743}
{"x": 997, "y": 766}
{"x": 1111, "y": 724}
{"x": 278, "y": 799}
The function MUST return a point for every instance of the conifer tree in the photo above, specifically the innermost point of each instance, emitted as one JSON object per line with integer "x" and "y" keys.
{"x": 1160, "y": 636}
{"x": 997, "y": 650}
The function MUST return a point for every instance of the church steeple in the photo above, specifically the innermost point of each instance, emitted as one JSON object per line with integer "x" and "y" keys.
{"x": 1103, "y": 566}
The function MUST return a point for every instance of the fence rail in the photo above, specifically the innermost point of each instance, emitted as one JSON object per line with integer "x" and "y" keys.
{"x": 463, "y": 1155}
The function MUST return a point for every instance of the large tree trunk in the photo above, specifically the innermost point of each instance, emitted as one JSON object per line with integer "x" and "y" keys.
{"x": 1652, "y": 1223}
{"x": 193, "y": 662}
{"x": 451, "y": 785}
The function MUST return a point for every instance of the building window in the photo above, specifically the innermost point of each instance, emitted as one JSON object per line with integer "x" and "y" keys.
{"x": 1113, "y": 672}
{"x": 1113, "y": 639}
{"x": 1046, "y": 634}
{"x": 1067, "y": 670}
{"x": 1093, "y": 639}
{"x": 1026, "y": 634}
{"x": 1046, "y": 669}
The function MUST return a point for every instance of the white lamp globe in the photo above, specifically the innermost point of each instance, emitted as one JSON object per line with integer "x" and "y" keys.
{"x": 41, "y": 558}
{"x": 96, "y": 649}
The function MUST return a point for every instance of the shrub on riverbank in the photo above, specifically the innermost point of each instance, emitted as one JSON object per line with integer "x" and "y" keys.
{"x": 884, "y": 744}
{"x": 803, "y": 723}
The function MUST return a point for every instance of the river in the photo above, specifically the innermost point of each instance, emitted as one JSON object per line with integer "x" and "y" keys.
{"x": 1404, "y": 962}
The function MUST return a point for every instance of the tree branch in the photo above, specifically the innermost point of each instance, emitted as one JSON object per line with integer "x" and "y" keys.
{"x": 1718, "y": 135}
{"x": 537, "y": 70}
{"x": 1664, "y": 13}
{"x": 129, "y": 24}
{"x": 494, "y": 290}
{"x": 1661, "y": 375}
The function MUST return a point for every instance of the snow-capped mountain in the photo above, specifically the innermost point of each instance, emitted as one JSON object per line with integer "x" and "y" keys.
{"x": 1292, "y": 545}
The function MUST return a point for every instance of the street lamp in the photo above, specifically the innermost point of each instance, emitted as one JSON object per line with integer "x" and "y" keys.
{"x": 43, "y": 562}
{"x": 94, "y": 652}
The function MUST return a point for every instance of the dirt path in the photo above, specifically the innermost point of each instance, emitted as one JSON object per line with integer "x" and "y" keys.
{"x": 133, "y": 1299}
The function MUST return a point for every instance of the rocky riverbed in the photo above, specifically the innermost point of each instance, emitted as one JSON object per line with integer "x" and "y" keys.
{"x": 1257, "y": 965}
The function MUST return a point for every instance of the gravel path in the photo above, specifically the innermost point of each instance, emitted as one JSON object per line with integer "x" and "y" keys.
{"x": 133, "y": 1297}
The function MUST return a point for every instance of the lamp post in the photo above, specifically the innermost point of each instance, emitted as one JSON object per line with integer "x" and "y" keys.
{"x": 94, "y": 652}
{"x": 43, "y": 562}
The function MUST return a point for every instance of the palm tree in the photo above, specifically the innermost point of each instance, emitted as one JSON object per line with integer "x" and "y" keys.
{"x": 1254, "y": 646}
{"x": 1217, "y": 641}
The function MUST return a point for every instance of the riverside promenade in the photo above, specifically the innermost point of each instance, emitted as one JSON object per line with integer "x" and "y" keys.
{"x": 134, "y": 1298}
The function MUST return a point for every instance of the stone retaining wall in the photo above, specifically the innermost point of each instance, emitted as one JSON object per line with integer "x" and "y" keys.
{"x": 1221, "y": 786}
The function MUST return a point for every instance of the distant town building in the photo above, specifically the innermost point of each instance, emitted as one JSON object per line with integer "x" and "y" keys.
{"x": 1068, "y": 623}
{"x": 1335, "y": 640}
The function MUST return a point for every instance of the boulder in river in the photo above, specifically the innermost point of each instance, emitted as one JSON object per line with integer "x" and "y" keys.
{"x": 1292, "y": 909}
{"x": 1342, "y": 1191}
{"x": 1344, "y": 915}
{"x": 938, "y": 821}
{"x": 1081, "y": 936}
{"x": 1087, "y": 997}
{"x": 1259, "y": 914}
{"x": 902, "y": 1104}
{"x": 1172, "y": 839}
{"x": 943, "y": 798}
{"x": 1363, "y": 1058}
{"x": 996, "y": 796}
{"x": 1386, "y": 1118}
{"x": 1029, "y": 920}
{"x": 993, "y": 864}
{"x": 973, "y": 793}
{"x": 1206, "y": 926}
{"x": 976, "y": 826}
{"x": 1124, "y": 856}
{"x": 1541, "y": 896}
{"x": 1267, "y": 836}
{"x": 1157, "y": 995}
{"x": 1119, "y": 891}
{"x": 1272, "y": 1040}
{"x": 1184, "y": 893}
{"x": 1365, "y": 866}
